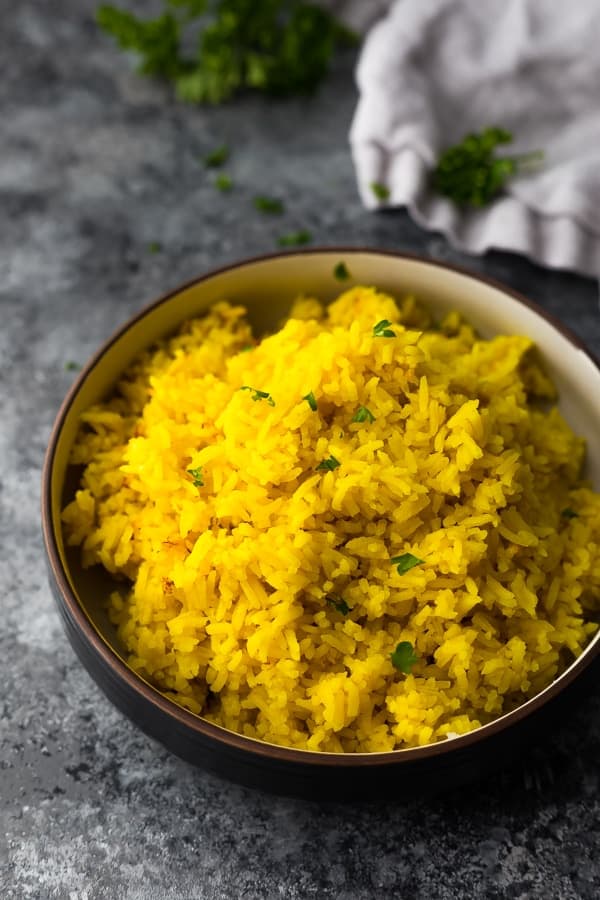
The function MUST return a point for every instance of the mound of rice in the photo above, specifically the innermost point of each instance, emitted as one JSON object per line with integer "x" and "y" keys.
{"x": 254, "y": 534}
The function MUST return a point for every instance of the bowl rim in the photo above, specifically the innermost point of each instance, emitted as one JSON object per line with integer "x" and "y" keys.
{"x": 202, "y": 727}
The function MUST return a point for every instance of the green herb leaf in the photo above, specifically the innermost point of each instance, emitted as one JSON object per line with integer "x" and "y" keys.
{"x": 279, "y": 47}
{"x": 247, "y": 348}
{"x": 380, "y": 190}
{"x": 338, "y": 603}
{"x": 259, "y": 395}
{"x": 197, "y": 476}
{"x": 217, "y": 157}
{"x": 156, "y": 41}
{"x": 311, "y": 400}
{"x": 72, "y": 366}
{"x": 295, "y": 238}
{"x": 363, "y": 414}
{"x": 154, "y": 247}
{"x": 223, "y": 183}
{"x": 469, "y": 173}
{"x": 382, "y": 329}
{"x": 405, "y": 562}
{"x": 569, "y": 513}
{"x": 341, "y": 271}
{"x": 403, "y": 658}
{"x": 329, "y": 464}
{"x": 269, "y": 205}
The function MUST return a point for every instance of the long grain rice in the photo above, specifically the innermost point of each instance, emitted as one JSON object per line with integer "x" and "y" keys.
{"x": 257, "y": 587}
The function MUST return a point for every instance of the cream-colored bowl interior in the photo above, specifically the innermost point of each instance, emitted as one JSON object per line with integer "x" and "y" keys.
{"x": 268, "y": 287}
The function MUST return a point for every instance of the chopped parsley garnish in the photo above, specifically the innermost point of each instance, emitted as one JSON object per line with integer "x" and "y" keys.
{"x": 341, "y": 271}
{"x": 403, "y": 658}
{"x": 470, "y": 175}
{"x": 380, "y": 190}
{"x": 311, "y": 400}
{"x": 258, "y": 395}
{"x": 223, "y": 183}
{"x": 72, "y": 366}
{"x": 338, "y": 603}
{"x": 329, "y": 464}
{"x": 269, "y": 205}
{"x": 197, "y": 476}
{"x": 247, "y": 348}
{"x": 217, "y": 157}
{"x": 212, "y": 50}
{"x": 363, "y": 414}
{"x": 405, "y": 562}
{"x": 154, "y": 247}
{"x": 294, "y": 238}
{"x": 382, "y": 329}
{"x": 569, "y": 513}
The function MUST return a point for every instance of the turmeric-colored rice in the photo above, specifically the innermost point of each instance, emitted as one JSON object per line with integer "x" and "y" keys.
{"x": 253, "y": 535}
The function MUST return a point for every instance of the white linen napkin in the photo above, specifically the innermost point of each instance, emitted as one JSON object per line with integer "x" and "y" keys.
{"x": 432, "y": 70}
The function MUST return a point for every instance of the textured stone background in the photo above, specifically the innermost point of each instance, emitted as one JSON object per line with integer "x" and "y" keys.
{"x": 95, "y": 165}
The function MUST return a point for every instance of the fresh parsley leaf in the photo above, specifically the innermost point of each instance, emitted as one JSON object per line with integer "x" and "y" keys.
{"x": 247, "y": 348}
{"x": 223, "y": 183}
{"x": 380, "y": 190}
{"x": 569, "y": 513}
{"x": 311, "y": 400}
{"x": 403, "y": 658}
{"x": 329, "y": 464}
{"x": 279, "y": 47}
{"x": 469, "y": 173}
{"x": 72, "y": 366}
{"x": 338, "y": 603}
{"x": 363, "y": 414}
{"x": 156, "y": 41}
{"x": 294, "y": 238}
{"x": 154, "y": 247}
{"x": 382, "y": 329}
{"x": 259, "y": 395}
{"x": 405, "y": 562}
{"x": 197, "y": 476}
{"x": 217, "y": 157}
{"x": 269, "y": 205}
{"x": 341, "y": 271}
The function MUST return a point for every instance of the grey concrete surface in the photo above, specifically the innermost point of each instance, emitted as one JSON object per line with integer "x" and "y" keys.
{"x": 96, "y": 164}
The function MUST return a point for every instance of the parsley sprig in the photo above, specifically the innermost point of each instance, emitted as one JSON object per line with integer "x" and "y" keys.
{"x": 471, "y": 175}
{"x": 197, "y": 476}
{"x": 569, "y": 513}
{"x": 338, "y": 603}
{"x": 294, "y": 238}
{"x": 279, "y": 47}
{"x": 217, "y": 157}
{"x": 311, "y": 400}
{"x": 329, "y": 464}
{"x": 403, "y": 658}
{"x": 380, "y": 191}
{"x": 223, "y": 182}
{"x": 382, "y": 329}
{"x": 270, "y": 206}
{"x": 363, "y": 414}
{"x": 259, "y": 395}
{"x": 405, "y": 562}
{"x": 341, "y": 272}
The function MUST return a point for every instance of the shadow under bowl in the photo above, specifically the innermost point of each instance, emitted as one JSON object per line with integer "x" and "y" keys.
{"x": 267, "y": 286}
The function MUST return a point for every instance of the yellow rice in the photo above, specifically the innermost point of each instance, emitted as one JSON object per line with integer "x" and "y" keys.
{"x": 232, "y": 590}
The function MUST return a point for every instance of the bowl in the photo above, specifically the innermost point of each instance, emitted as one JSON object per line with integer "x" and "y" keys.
{"x": 267, "y": 285}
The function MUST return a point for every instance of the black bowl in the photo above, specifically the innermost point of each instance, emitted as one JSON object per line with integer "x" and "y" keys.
{"x": 267, "y": 286}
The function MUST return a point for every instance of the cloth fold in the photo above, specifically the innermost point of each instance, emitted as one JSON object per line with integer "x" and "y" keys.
{"x": 433, "y": 70}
